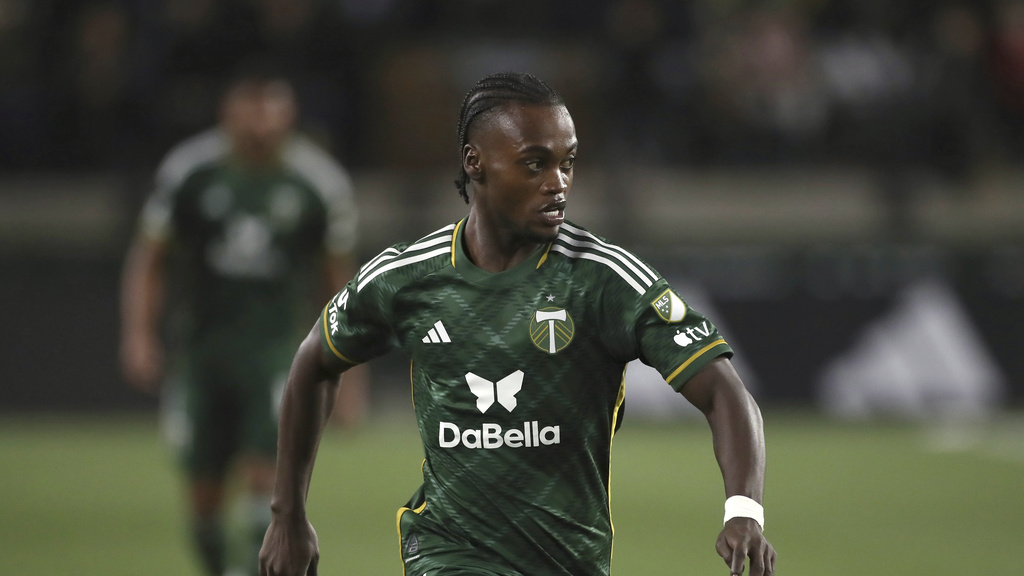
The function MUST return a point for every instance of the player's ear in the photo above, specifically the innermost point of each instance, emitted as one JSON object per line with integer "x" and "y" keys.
{"x": 471, "y": 163}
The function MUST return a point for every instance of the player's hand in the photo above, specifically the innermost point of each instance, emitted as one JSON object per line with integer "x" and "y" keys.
{"x": 289, "y": 549}
{"x": 142, "y": 361}
{"x": 741, "y": 538}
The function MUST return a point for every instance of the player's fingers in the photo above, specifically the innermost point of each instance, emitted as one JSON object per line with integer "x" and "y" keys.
{"x": 757, "y": 564}
{"x": 762, "y": 560}
{"x": 724, "y": 549}
{"x": 769, "y": 562}
{"x": 734, "y": 557}
{"x": 728, "y": 554}
{"x": 736, "y": 563}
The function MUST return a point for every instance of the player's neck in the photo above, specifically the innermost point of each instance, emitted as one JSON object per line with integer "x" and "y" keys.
{"x": 256, "y": 159}
{"x": 491, "y": 250}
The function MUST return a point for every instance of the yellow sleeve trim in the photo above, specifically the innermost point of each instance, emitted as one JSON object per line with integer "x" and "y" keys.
{"x": 699, "y": 353}
{"x": 327, "y": 338}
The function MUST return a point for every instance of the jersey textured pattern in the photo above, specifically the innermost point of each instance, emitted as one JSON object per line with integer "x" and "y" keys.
{"x": 247, "y": 247}
{"x": 516, "y": 383}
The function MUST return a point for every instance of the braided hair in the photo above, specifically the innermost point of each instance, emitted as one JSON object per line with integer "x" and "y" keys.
{"x": 494, "y": 91}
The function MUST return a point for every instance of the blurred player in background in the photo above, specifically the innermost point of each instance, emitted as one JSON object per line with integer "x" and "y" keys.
{"x": 250, "y": 227}
{"x": 519, "y": 325}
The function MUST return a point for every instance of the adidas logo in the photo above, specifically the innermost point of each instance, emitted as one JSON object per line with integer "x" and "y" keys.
{"x": 437, "y": 335}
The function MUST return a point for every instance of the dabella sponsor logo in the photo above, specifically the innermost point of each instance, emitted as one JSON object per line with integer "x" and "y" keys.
{"x": 491, "y": 436}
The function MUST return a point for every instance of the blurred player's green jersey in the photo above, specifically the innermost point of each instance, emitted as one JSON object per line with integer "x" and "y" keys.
{"x": 517, "y": 378}
{"x": 247, "y": 245}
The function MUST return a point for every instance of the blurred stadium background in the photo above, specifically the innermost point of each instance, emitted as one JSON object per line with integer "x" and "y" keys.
{"x": 840, "y": 183}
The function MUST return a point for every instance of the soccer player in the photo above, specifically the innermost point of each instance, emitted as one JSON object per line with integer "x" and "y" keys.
{"x": 250, "y": 228}
{"x": 519, "y": 325}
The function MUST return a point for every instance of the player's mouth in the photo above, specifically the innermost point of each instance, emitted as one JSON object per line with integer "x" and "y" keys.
{"x": 554, "y": 213}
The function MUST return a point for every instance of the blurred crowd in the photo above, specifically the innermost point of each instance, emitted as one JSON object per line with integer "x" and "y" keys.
{"x": 111, "y": 84}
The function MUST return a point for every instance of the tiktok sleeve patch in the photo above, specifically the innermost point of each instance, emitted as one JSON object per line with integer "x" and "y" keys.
{"x": 677, "y": 340}
{"x": 330, "y": 325}
{"x": 351, "y": 329}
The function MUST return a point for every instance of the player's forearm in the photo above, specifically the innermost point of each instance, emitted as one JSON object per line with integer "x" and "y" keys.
{"x": 736, "y": 427}
{"x": 142, "y": 290}
{"x": 738, "y": 433}
{"x": 305, "y": 408}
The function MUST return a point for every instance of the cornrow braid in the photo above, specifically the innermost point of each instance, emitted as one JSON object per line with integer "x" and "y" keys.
{"x": 494, "y": 91}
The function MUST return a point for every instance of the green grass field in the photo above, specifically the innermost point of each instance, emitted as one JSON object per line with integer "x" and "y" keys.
{"x": 91, "y": 496}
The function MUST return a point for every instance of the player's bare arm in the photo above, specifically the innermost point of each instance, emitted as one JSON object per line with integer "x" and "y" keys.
{"x": 142, "y": 299}
{"x": 352, "y": 404}
{"x": 738, "y": 434}
{"x": 290, "y": 547}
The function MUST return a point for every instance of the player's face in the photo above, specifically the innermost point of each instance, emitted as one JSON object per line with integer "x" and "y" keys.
{"x": 526, "y": 157}
{"x": 258, "y": 116}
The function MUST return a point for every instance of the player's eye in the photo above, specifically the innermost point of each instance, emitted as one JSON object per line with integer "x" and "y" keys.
{"x": 568, "y": 163}
{"x": 534, "y": 165}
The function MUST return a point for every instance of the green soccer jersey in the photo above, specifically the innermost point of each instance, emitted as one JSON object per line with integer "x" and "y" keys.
{"x": 517, "y": 378}
{"x": 247, "y": 247}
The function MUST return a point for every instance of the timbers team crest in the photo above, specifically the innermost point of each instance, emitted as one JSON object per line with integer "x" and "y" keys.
{"x": 551, "y": 329}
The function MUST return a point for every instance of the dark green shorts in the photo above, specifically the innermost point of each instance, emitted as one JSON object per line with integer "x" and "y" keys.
{"x": 215, "y": 413}
{"x": 465, "y": 562}
{"x": 428, "y": 551}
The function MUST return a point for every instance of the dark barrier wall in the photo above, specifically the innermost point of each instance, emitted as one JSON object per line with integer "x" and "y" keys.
{"x": 790, "y": 311}
{"x": 59, "y": 338}
{"x": 794, "y": 311}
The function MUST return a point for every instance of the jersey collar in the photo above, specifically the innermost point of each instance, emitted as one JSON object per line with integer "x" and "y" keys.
{"x": 466, "y": 267}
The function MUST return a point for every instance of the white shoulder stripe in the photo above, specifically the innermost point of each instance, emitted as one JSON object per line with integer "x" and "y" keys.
{"x": 427, "y": 241}
{"x": 629, "y": 263}
{"x": 331, "y": 183}
{"x": 445, "y": 232}
{"x": 392, "y": 258}
{"x": 388, "y": 254}
{"x": 329, "y": 178}
{"x": 190, "y": 154}
{"x": 394, "y": 254}
{"x": 623, "y": 254}
{"x": 609, "y": 263}
{"x": 399, "y": 262}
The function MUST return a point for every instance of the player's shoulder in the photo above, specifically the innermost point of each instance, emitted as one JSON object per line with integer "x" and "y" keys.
{"x": 311, "y": 162}
{"x": 580, "y": 248}
{"x": 407, "y": 262}
{"x": 190, "y": 156}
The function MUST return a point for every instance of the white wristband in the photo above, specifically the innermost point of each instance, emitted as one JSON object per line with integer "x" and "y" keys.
{"x": 743, "y": 507}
